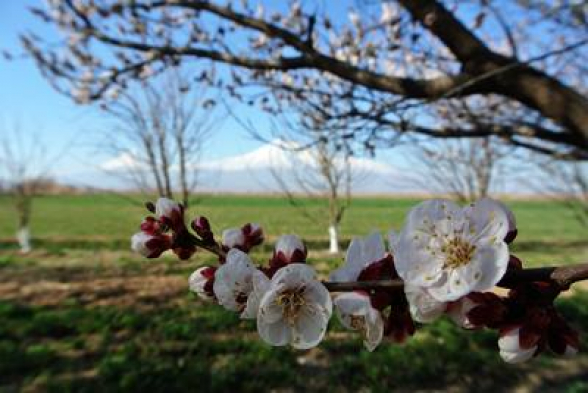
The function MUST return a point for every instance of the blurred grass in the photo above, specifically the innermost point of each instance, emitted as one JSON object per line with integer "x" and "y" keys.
{"x": 205, "y": 348}
{"x": 75, "y": 316}
{"x": 548, "y": 232}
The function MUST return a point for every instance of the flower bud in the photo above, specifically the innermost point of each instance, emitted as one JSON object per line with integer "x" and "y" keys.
{"x": 165, "y": 207}
{"x": 511, "y": 350}
{"x": 202, "y": 227}
{"x": 170, "y": 213}
{"x": 289, "y": 249}
{"x": 233, "y": 238}
{"x": 150, "y": 246}
{"x": 253, "y": 234}
{"x": 202, "y": 282}
{"x": 477, "y": 310}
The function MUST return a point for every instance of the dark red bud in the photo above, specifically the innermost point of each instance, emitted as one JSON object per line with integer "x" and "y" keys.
{"x": 150, "y": 206}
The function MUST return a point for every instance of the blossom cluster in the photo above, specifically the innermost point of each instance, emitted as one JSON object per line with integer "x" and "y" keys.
{"x": 449, "y": 259}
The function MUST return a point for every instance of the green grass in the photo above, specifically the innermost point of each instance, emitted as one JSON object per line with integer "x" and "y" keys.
{"x": 176, "y": 349}
{"x": 548, "y": 232}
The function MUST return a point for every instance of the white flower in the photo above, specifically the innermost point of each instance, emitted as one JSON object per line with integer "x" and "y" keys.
{"x": 233, "y": 280}
{"x": 199, "y": 282}
{"x": 360, "y": 254}
{"x": 452, "y": 251}
{"x": 295, "y": 309}
{"x": 424, "y": 308}
{"x": 510, "y": 348}
{"x": 165, "y": 207}
{"x": 356, "y": 312}
{"x": 233, "y": 237}
{"x": 288, "y": 246}
{"x": 261, "y": 285}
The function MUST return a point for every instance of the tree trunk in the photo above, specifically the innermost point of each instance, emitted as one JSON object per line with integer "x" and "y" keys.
{"x": 23, "y": 235}
{"x": 333, "y": 239}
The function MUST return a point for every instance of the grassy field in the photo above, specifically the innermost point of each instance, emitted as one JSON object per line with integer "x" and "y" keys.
{"x": 82, "y": 313}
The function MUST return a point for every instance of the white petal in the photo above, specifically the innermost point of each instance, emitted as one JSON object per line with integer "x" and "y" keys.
{"x": 512, "y": 222}
{"x": 310, "y": 328}
{"x": 392, "y": 240}
{"x": 261, "y": 285}
{"x": 139, "y": 241}
{"x": 372, "y": 248}
{"x": 269, "y": 310}
{"x": 488, "y": 221}
{"x": 375, "y": 330}
{"x": 488, "y": 266}
{"x": 233, "y": 237}
{"x": 316, "y": 293}
{"x": 431, "y": 211}
{"x": 343, "y": 274}
{"x": 424, "y": 308}
{"x": 276, "y": 334}
{"x": 518, "y": 357}
{"x": 510, "y": 341}
{"x": 414, "y": 259}
{"x": 293, "y": 275}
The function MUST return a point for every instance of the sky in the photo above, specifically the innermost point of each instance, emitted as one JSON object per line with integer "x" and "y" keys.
{"x": 42, "y": 113}
{"x": 27, "y": 98}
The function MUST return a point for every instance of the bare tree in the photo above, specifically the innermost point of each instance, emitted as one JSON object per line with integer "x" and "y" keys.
{"x": 160, "y": 131}
{"x": 467, "y": 169}
{"x": 320, "y": 172}
{"x": 24, "y": 169}
{"x": 371, "y": 74}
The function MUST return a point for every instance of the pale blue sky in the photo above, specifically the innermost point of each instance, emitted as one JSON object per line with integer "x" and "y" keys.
{"x": 27, "y": 98}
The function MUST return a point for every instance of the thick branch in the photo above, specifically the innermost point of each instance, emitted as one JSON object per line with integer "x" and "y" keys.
{"x": 511, "y": 78}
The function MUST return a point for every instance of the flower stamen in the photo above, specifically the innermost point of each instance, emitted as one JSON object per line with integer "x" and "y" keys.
{"x": 458, "y": 252}
{"x": 291, "y": 301}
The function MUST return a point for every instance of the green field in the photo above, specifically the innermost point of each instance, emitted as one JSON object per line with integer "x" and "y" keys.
{"x": 82, "y": 313}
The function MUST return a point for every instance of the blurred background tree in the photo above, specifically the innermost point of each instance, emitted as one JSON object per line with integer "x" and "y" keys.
{"x": 160, "y": 130}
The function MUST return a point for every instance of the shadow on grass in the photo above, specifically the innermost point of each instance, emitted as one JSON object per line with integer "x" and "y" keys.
{"x": 205, "y": 348}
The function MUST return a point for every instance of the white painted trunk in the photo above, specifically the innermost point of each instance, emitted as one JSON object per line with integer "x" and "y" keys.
{"x": 333, "y": 239}
{"x": 24, "y": 239}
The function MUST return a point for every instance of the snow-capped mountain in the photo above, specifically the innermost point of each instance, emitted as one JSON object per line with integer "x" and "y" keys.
{"x": 257, "y": 170}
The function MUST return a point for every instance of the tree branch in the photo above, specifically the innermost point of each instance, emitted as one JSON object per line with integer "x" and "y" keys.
{"x": 562, "y": 276}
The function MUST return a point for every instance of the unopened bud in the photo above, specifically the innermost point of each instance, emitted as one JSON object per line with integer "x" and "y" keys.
{"x": 150, "y": 206}
{"x": 201, "y": 226}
